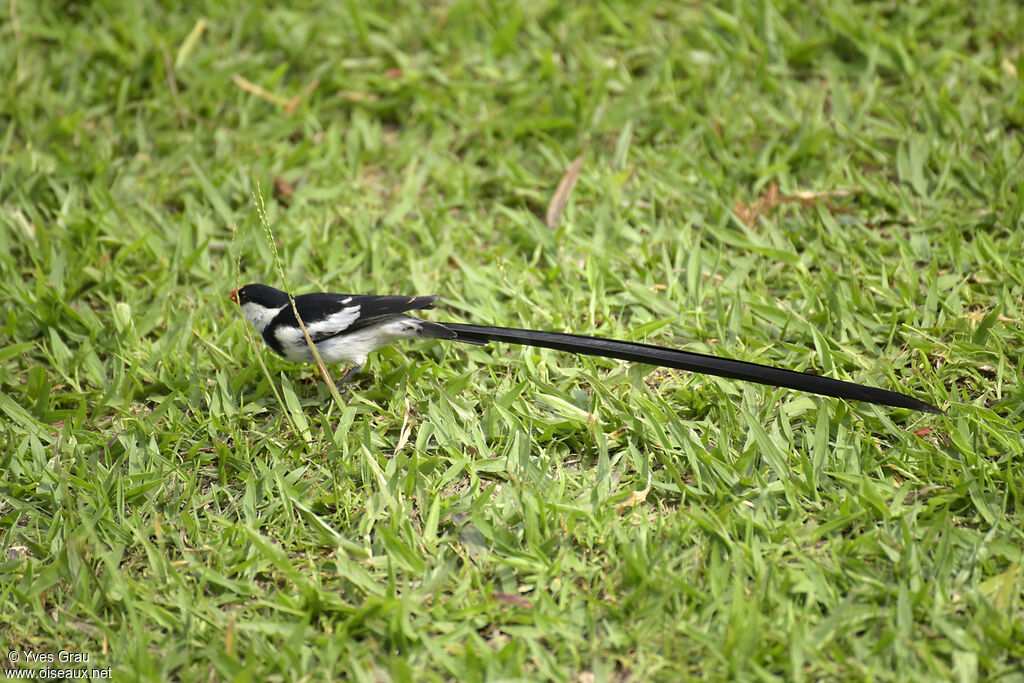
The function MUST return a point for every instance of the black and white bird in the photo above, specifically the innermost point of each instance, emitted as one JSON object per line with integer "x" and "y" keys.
{"x": 346, "y": 328}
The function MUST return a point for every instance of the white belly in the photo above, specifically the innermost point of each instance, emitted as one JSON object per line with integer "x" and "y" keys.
{"x": 349, "y": 348}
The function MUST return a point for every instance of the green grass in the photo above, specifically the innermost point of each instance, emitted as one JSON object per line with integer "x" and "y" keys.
{"x": 175, "y": 511}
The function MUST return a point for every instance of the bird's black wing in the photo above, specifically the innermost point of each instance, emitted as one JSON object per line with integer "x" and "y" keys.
{"x": 328, "y": 315}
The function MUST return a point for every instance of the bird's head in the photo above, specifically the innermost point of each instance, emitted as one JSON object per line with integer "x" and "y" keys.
{"x": 259, "y": 303}
{"x": 263, "y": 295}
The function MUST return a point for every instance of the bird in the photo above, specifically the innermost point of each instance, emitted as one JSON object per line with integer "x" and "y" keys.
{"x": 346, "y": 328}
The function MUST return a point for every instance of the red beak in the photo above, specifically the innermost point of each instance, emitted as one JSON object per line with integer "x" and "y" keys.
{"x": 233, "y": 295}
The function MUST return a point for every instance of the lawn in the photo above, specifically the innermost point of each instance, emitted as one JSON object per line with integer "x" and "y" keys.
{"x": 835, "y": 187}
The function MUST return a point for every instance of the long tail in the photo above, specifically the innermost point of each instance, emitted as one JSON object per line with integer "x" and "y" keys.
{"x": 686, "y": 360}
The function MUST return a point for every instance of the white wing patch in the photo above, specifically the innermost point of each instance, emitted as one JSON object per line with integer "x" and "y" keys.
{"x": 294, "y": 342}
{"x": 334, "y": 323}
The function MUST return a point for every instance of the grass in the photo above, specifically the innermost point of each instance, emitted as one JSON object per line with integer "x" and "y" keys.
{"x": 827, "y": 186}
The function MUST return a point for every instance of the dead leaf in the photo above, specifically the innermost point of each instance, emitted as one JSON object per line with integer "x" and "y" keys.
{"x": 356, "y": 96}
{"x": 809, "y": 196}
{"x": 294, "y": 102}
{"x": 634, "y": 499}
{"x": 771, "y": 198}
{"x": 561, "y": 196}
{"x": 283, "y": 190}
{"x": 924, "y": 492}
{"x": 978, "y": 316}
{"x": 188, "y": 46}
{"x": 259, "y": 91}
{"x": 513, "y": 600}
{"x": 760, "y": 206}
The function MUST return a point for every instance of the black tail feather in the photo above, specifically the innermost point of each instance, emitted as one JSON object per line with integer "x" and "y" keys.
{"x": 686, "y": 360}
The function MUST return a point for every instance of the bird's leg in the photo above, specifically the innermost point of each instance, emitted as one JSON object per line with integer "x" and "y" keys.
{"x": 356, "y": 367}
